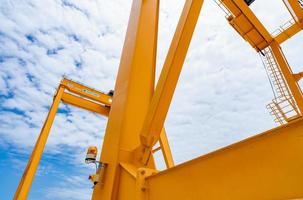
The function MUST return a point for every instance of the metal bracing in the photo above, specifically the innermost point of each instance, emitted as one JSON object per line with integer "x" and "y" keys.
{"x": 78, "y": 95}
{"x": 161, "y": 100}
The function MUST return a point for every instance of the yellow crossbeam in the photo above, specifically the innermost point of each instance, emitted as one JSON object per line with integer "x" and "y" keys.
{"x": 85, "y": 104}
{"x": 87, "y": 92}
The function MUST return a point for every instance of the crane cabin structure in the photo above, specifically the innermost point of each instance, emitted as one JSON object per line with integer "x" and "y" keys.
{"x": 266, "y": 166}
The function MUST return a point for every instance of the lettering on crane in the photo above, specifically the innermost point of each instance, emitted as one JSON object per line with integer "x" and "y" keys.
{"x": 83, "y": 90}
{"x": 90, "y": 92}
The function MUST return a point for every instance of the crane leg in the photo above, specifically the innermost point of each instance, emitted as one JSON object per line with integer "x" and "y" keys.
{"x": 32, "y": 165}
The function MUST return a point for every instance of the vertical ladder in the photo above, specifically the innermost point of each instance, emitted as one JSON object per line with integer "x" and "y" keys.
{"x": 283, "y": 107}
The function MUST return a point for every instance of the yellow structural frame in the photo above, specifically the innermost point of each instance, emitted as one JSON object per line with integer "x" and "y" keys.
{"x": 267, "y": 166}
{"x": 78, "y": 95}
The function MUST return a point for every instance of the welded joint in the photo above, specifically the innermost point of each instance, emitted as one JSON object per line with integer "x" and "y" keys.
{"x": 298, "y": 76}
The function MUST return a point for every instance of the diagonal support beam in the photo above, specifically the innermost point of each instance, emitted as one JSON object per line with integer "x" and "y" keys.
{"x": 162, "y": 97}
{"x": 168, "y": 157}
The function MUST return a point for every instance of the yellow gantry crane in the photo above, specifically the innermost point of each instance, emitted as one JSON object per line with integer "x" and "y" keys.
{"x": 266, "y": 166}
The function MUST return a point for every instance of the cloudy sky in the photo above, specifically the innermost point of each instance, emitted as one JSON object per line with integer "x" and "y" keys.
{"x": 220, "y": 98}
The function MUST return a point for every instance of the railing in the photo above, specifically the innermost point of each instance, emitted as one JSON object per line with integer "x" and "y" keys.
{"x": 283, "y": 107}
{"x": 282, "y": 28}
{"x": 223, "y": 8}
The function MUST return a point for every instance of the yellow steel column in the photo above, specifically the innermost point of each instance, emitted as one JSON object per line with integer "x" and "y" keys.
{"x": 156, "y": 115}
{"x": 133, "y": 92}
{"x": 32, "y": 165}
{"x": 288, "y": 74}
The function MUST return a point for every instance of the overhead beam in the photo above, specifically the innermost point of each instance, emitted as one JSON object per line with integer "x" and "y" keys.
{"x": 162, "y": 97}
{"x": 245, "y": 22}
{"x": 87, "y": 92}
{"x": 85, "y": 104}
{"x": 288, "y": 33}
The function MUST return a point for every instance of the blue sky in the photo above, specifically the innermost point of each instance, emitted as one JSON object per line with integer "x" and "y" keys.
{"x": 220, "y": 99}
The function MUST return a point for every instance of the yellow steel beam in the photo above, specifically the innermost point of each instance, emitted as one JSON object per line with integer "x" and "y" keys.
{"x": 104, "y": 110}
{"x": 87, "y": 92}
{"x": 167, "y": 155}
{"x": 85, "y": 104}
{"x": 288, "y": 74}
{"x": 253, "y": 19}
{"x": 247, "y": 24}
{"x": 267, "y": 166}
{"x": 32, "y": 165}
{"x": 133, "y": 92}
{"x": 295, "y": 9}
{"x": 161, "y": 100}
{"x": 288, "y": 33}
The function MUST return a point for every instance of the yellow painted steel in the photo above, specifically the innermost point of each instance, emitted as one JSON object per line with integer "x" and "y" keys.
{"x": 84, "y": 91}
{"x": 293, "y": 26}
{"x": 168, "y": 157}
{"x": 295, "y": 9}
{"x": 87, "y": 98}
{"x": 160, "y": 103}
{"x": 267, "y": 166}
{"x": 32, "y": 165}
{"x": 288, "y": 33}
{"x": 298, "y": 76}
{"x": 244, "y": 21}
{"x": 85, "y": 104}
{"x": 133, "y": 92}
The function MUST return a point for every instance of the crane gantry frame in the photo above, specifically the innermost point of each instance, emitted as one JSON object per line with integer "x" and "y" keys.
{"x": 266, "y": 166}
